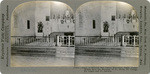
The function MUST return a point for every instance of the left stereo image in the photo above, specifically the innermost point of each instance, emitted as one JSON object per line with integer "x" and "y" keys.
{"x": 42, "y": 34}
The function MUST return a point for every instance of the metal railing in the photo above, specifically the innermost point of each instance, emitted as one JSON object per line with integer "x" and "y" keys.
{"x": 85, "y": 40}
{"x": 42, "y": 41}
{"x": 128, "y": 40}
{"x": 97, "y": 40}
{"x": 65, "y": 41}
{"x": 107, "y": 40}
{"x": 29, "y": 40}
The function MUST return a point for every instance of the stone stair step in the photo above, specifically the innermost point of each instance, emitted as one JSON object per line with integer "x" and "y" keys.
{"x": 97, "y": 50}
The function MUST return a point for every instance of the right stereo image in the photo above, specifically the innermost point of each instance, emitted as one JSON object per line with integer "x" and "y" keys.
{"x": 106, "y": 34}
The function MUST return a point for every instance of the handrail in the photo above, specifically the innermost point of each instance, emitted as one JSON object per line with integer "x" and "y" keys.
{"x": 125, "y": 40}
{"x": 107, "y": 40}
{"x": 29, "y": 40}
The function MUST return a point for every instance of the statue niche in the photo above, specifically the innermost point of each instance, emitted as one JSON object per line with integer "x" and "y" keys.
{"x": 40, "y": 27}
{"x": 105, "y": 26}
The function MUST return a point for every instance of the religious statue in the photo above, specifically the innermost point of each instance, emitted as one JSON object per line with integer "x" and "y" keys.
{"x": 106, "y": 26}
{"x": 40, "y": 27}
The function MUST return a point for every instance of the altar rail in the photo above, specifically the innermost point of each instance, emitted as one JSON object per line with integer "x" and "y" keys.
{"x": 127, "y": 40}
{"x": 24, "y": 40}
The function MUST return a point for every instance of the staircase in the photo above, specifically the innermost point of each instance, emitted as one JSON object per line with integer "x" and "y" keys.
{"x": 97, "y": 51}
{"x": 22, "y": 50}
{"x": 105, "y": 46}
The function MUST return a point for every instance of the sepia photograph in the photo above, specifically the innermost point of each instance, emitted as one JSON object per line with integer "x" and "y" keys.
{"x": 42, "y": 35}
{"x": 106, "y": 35}
{"x": 51, "y": 34}
{"x": 74, "y": 36}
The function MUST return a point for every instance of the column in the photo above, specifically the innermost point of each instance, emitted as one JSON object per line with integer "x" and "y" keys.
{"x": 57, "y": 40}
{"x": 134, "y": 40}
{"x": 69, "y": 41}
{"x": 123, "y": 40}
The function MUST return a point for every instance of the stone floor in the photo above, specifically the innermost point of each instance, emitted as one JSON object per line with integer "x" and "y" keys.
{"x": 63, "y": 58}
{"x": 105, "y": 61}
{"x": 79, "y": 61}
{"x": 41, "y": 61}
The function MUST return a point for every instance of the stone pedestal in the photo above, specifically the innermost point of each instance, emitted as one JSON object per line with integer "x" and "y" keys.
{"x": 65, "y": 52}
{"x": 130, "y": 52}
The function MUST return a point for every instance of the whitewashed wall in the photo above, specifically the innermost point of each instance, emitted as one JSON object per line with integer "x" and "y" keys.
{"x": 36, "y": 12}
{"x": 20, "y": 16}
{"x": 101, "y": 12}
{"x": 124, "y": 8}
{"x": 52, "y": 9}
{"x": 108, "y": 9}
{"x": 84, "y": 19}
{"x": 98, "y": 11}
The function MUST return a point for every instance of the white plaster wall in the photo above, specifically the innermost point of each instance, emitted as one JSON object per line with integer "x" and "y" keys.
{"x": 98, "y": 11}
{"x": 108, "y": 9}
{"x": 52, "y": 9}
{"x": 123, "y": 26}
{"x": 42, "y": 10}
{"x": 19, "y": 23}
{"x": 37, "y": 11}
{"x": 101, "y": 12}
{"x": 88, "y": 12}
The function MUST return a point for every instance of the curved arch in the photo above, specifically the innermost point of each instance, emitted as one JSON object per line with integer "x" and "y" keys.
{"x": 100, "y": 2}
{"x": 32, "y": 7}
{"x": 120, "y": 16}
{"x": 42, "y": 1}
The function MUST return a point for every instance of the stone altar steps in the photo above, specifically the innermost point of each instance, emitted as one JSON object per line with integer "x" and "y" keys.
{"x": 97, "y": 50}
